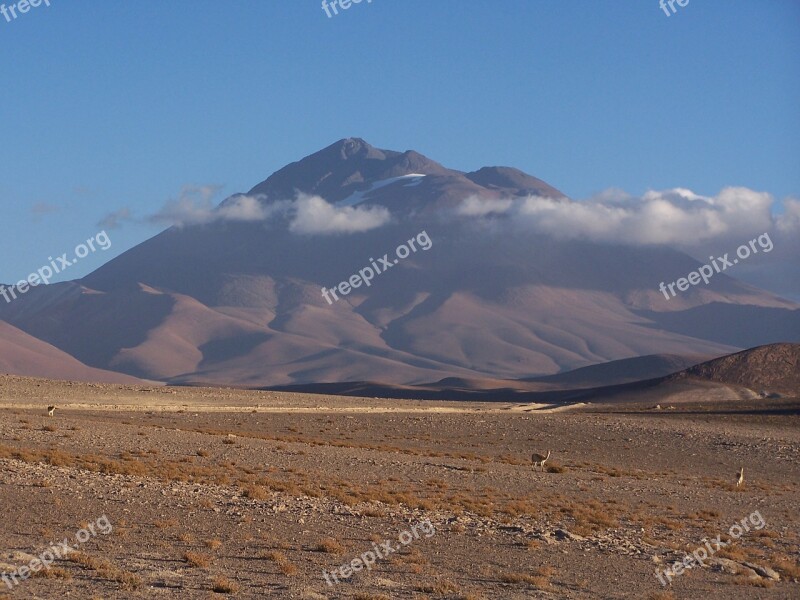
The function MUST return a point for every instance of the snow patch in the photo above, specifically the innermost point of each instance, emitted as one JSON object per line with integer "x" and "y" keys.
{"x": 409, "y": 180}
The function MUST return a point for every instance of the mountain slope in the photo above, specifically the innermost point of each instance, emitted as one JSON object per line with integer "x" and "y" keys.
{"x": 774, "y": 367}
{"x": 24, "y": 355}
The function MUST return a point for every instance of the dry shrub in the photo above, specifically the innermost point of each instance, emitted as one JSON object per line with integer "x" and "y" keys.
{"x": 213, "y": 544}
{"x": 540, "y": 582}
{"x": 222, "y": 585}
{"x": 166, "y": 524}
{"x": 787, "y": 567}
{"x": 755, "y": 582}
{"x": 256, "y": 492}
{"x": 107, "y": 570}
{"x": 330, "y": 546}
{"x": 53, "y": 573}
{"x": 197, "y": 559}
{"x": 285, "y": 566}
{"x": 441, "y": 587}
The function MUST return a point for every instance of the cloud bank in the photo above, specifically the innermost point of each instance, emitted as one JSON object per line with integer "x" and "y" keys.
{"x": 313, "y": 215}
{"x": 306, "y": 215}
{"x": 676, "y": 217}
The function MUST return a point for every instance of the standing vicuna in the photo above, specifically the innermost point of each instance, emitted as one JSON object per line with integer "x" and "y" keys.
{"x": 740, "y": 479}
{"x": 539, "y": 460}
{"x": 51, "y": 410}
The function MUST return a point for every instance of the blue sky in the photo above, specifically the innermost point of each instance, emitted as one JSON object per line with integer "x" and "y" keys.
{"x": 121, "y": 104}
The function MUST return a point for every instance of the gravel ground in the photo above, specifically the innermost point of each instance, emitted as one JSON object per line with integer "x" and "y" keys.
{"x": 257, "y": 493}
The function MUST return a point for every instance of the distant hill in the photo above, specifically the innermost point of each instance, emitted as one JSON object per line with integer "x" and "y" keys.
{"x": 771, "y": 368}
{"x": 622, "y": 371}
{"x": 24, "y": 355}
{"x": 582, "y": 380}
{"x": 774, "y": 369}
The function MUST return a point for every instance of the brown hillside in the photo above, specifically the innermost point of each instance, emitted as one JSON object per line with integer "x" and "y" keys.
{"x": 772, "y": 368}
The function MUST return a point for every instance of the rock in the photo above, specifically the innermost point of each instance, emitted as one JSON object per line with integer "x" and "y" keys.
{"x": 17, "y": 556}
{"x": 763, "y": 571}
{"x": 563, "y": 534}
{"x": 734, "y": 568}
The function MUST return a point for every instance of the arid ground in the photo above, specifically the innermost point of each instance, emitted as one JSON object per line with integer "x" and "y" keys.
{"x": 219, "y": 492}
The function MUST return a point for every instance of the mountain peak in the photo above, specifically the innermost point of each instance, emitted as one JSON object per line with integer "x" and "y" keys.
{"x": 354, "y": 148}
{"x": 343, "y": 167}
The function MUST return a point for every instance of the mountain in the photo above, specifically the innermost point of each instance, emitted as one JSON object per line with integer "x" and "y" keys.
{"x": 237, "y": 298}
{"x": 352, "y": 166}
{"x": 23, "y": 354}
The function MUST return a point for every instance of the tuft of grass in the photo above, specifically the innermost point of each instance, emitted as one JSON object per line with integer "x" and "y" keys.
{"x": 106, "y": 570}
{"x": 128, "y": 580}
{"x": 736, "y": 553}
{"x": 537, "y": 580}
{"x": 197, "y": 559}
{"x": 330, "y": 546}
{"x": 213, "y": 544}
{"x": 222, "y": 585}
{"x": 661, "y": 596}
{"x": 762, "y": 583}
{"x": 284, "y": 564}
{"x": 256, "y": 492}
{"x": 166, "y": 524}
{"x": 787, "y": 567}
{"x": 442, "y": 587}
{"x": 53, "y": 573}
{"x": 90, "y": 562}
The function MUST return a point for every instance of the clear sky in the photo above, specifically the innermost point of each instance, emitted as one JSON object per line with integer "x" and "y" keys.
{"x": 111, "y": 105}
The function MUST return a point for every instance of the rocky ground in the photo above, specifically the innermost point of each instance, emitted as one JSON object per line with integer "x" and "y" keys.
{"x": 216, "y": 492}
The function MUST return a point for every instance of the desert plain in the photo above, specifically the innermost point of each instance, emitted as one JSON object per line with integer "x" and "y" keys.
{"x": 216, "y": 492}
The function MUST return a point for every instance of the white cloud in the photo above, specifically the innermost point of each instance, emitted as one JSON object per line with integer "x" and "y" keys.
{"x": 678, "y": 216}
{"x": 480, "y": 207}
{"x": 245, "y": 208}
{"x": 313, "y": 215}
{"x": 305, "y": 215}
{"x": 789, "y": 221}
{"x": 192, "y": 207}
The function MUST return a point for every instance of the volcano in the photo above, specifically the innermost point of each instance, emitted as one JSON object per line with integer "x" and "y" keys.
{"x": 236, "y": 298}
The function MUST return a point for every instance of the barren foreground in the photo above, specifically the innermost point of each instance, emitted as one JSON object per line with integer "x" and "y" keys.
{"x": 215, "y": 492}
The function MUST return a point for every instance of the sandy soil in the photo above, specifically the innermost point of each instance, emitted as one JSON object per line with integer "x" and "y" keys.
{"x": 266, "y": 490}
